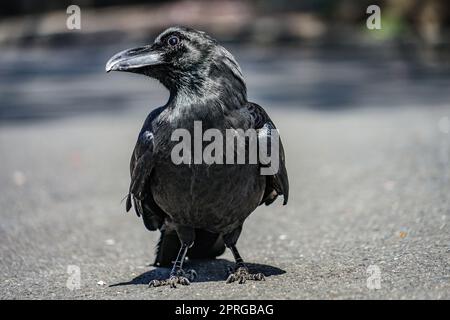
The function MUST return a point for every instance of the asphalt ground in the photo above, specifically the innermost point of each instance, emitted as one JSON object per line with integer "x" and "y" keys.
{"x": 368, "y": 188}
{"x": 367, "y": 145}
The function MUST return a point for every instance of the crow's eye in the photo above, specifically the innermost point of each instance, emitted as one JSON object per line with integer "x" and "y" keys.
{"x": 173, "y": 40}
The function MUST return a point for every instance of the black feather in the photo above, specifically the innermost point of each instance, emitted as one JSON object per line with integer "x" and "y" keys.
{"x": 128, "y": 203}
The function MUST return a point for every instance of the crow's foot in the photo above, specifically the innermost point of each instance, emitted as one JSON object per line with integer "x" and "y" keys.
{"x": 241, "y": 275}
{"x": 180, "y": 277}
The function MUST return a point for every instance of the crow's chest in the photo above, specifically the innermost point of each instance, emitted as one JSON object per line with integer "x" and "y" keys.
{"x": 217, "y": 196}
{"x": 214, "y": 197}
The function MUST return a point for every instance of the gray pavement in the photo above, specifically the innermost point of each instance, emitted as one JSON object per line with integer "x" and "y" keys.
{"x": 368, "y": 187}
{"x": 367, "y": 149}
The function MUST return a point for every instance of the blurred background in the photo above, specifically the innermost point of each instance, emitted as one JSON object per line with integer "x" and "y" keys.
{"x": 318, "y": 46}
{"x": 364, "y": 116}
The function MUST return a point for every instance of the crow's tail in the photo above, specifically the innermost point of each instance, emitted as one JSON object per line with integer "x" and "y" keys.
{"x": 207, "y": 245}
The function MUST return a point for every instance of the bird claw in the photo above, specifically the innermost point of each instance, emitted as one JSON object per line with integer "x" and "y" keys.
{"x": 242, "y": 274}
{"x": 172, "y": 282}
{"x": 180, "y": 277}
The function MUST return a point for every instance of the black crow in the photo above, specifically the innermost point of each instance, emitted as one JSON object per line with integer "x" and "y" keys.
{"x": 187, "y": 202}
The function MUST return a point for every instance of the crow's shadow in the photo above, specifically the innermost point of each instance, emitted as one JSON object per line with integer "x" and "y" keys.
{"x": 207, "y": 270}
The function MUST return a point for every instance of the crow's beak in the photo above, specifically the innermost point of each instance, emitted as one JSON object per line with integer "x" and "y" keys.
{"x": 132, "y": 59}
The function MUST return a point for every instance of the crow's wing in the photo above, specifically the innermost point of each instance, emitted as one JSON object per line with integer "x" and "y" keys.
{"x": 141, "y": 166}
{"x": 278, "y": 183}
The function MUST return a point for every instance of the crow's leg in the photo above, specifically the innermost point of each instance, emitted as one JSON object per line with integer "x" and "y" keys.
{"x": 240, "y": 272}
{"x": 178, "y": 275}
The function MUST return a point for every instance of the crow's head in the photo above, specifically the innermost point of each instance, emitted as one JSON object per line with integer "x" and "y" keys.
{"x": 186, "y": 60}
